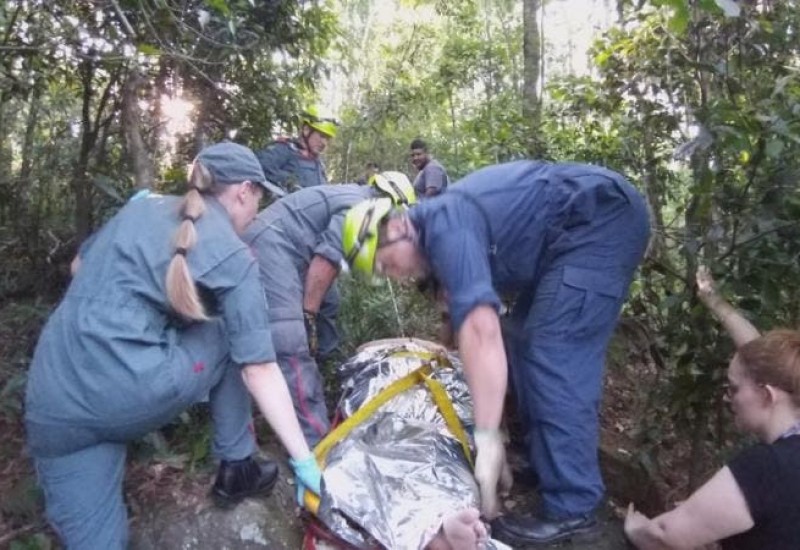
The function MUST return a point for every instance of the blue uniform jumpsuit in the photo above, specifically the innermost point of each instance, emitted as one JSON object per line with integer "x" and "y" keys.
{"x": 567, "y": 239}
{"x": 284, "y": 237}
{"x": 289, "y": 166}
{"x": 113, "y": 363}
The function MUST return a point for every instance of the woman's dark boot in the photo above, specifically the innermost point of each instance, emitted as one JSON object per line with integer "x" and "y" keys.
{"x": 237, "y": 479}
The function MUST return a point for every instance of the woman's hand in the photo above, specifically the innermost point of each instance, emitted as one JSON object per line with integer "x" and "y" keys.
{"x": 307, "y": 476}
{"x": 707, "y": 287}
{"x": 635, "y": 522}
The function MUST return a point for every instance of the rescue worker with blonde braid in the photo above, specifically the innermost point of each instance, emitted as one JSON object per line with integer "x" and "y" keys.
{"x": 164, "y": 310}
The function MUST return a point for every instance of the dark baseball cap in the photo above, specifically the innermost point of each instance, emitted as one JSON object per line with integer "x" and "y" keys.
{"x": 231, "y": 163}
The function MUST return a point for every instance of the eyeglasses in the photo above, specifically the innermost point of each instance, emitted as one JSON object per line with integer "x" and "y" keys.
{"x": 732, "y": 389}
{"x": 380, "y": 268}
{"x": 401, "y": 238}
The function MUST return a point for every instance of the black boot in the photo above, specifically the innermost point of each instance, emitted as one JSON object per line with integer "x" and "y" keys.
{"x": 532, "y": 530}
{"x": 237, "y": 479}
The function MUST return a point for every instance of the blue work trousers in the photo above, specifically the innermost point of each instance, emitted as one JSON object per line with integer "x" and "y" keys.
{"x": 81, "y": 468}
{"x": 559, "y": 332}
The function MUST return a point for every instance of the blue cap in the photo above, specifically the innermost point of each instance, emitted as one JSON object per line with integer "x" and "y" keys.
{"x": 231, "y": 163}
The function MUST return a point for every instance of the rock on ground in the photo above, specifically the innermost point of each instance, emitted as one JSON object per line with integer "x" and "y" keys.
{"x": 255, "y": 524}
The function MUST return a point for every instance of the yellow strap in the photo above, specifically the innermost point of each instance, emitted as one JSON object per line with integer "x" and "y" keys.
{"x": 408, "y": 381}
{"x": 310, "y": 500}
{"x": 343, "y": 430}
{"x": 419, "y": 375}
{"x": 445, "y": 405}
{"x": 428, "y": 356}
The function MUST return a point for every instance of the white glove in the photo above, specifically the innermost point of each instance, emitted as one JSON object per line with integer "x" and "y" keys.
{"x": 490, "y": 466}
{"x": 506, "y": 477}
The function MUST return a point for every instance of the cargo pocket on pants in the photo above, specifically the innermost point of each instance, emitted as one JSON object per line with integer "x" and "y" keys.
{"x": 594, "y": 296}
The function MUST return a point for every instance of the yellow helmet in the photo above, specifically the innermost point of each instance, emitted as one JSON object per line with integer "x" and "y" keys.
{"x": 360, "y": 233}
{"x": 324, "y": 125}
{"x": 396, "y": 186}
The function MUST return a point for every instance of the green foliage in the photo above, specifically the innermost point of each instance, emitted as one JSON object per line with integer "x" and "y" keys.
{"x": 452, "y": 78}
{"x": 378, "y": 310}
{"x": 38, "y": 541}
{"x": 23, "y": 500}
{"x": 11, "y": 396}
{"x": 19, "y": 327}
{"x": 184, "y": 443}
{"x": 700, "y": 110}
{"x": 246, "y": 68}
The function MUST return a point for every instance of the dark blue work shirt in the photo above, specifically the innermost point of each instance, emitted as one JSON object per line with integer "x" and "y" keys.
{"x": 497, "y": 228}
{"x": 290, "y": 166}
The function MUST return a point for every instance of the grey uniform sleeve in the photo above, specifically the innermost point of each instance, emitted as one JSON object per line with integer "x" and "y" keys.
{"x": 329, "y": 245}
{"x": 235, "y": 283}
{"x": 435, "y": 178}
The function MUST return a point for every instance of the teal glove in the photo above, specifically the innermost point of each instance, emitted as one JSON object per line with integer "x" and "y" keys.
{"x": 307, "y": 476}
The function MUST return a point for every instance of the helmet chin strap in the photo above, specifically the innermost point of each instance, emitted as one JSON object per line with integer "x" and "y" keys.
{"x": 305, "y": 133}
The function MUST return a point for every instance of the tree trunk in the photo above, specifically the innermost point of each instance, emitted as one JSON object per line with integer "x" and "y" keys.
{"x": 200, "y": 127}
{"x": 26, "y": 223}
{"x": 699, "y": 430}
{"x": 24, "y": 179}
{"x": 6, "y": 181}
{"x": 453, "y": 126}
{"x": 92, "y": 123}
{"x": 531, "y": 55}
{"x": 138, "y": 154}
{"x": 79, "y": 179}
{"x": 653, "y": 189}
{"x": 158, "y": 91}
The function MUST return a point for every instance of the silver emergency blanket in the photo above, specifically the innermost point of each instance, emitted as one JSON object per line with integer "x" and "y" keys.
{"x": 390, "y": 481}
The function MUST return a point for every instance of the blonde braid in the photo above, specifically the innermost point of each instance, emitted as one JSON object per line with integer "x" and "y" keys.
{"x": 181, "y": 289}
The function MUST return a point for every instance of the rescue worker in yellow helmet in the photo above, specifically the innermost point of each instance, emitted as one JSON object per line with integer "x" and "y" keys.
{"x": 566, "y": 238}
{"x": 292, "y": 163}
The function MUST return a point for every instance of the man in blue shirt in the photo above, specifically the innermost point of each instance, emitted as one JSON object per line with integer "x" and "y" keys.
{"x": 566, "y": 239}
